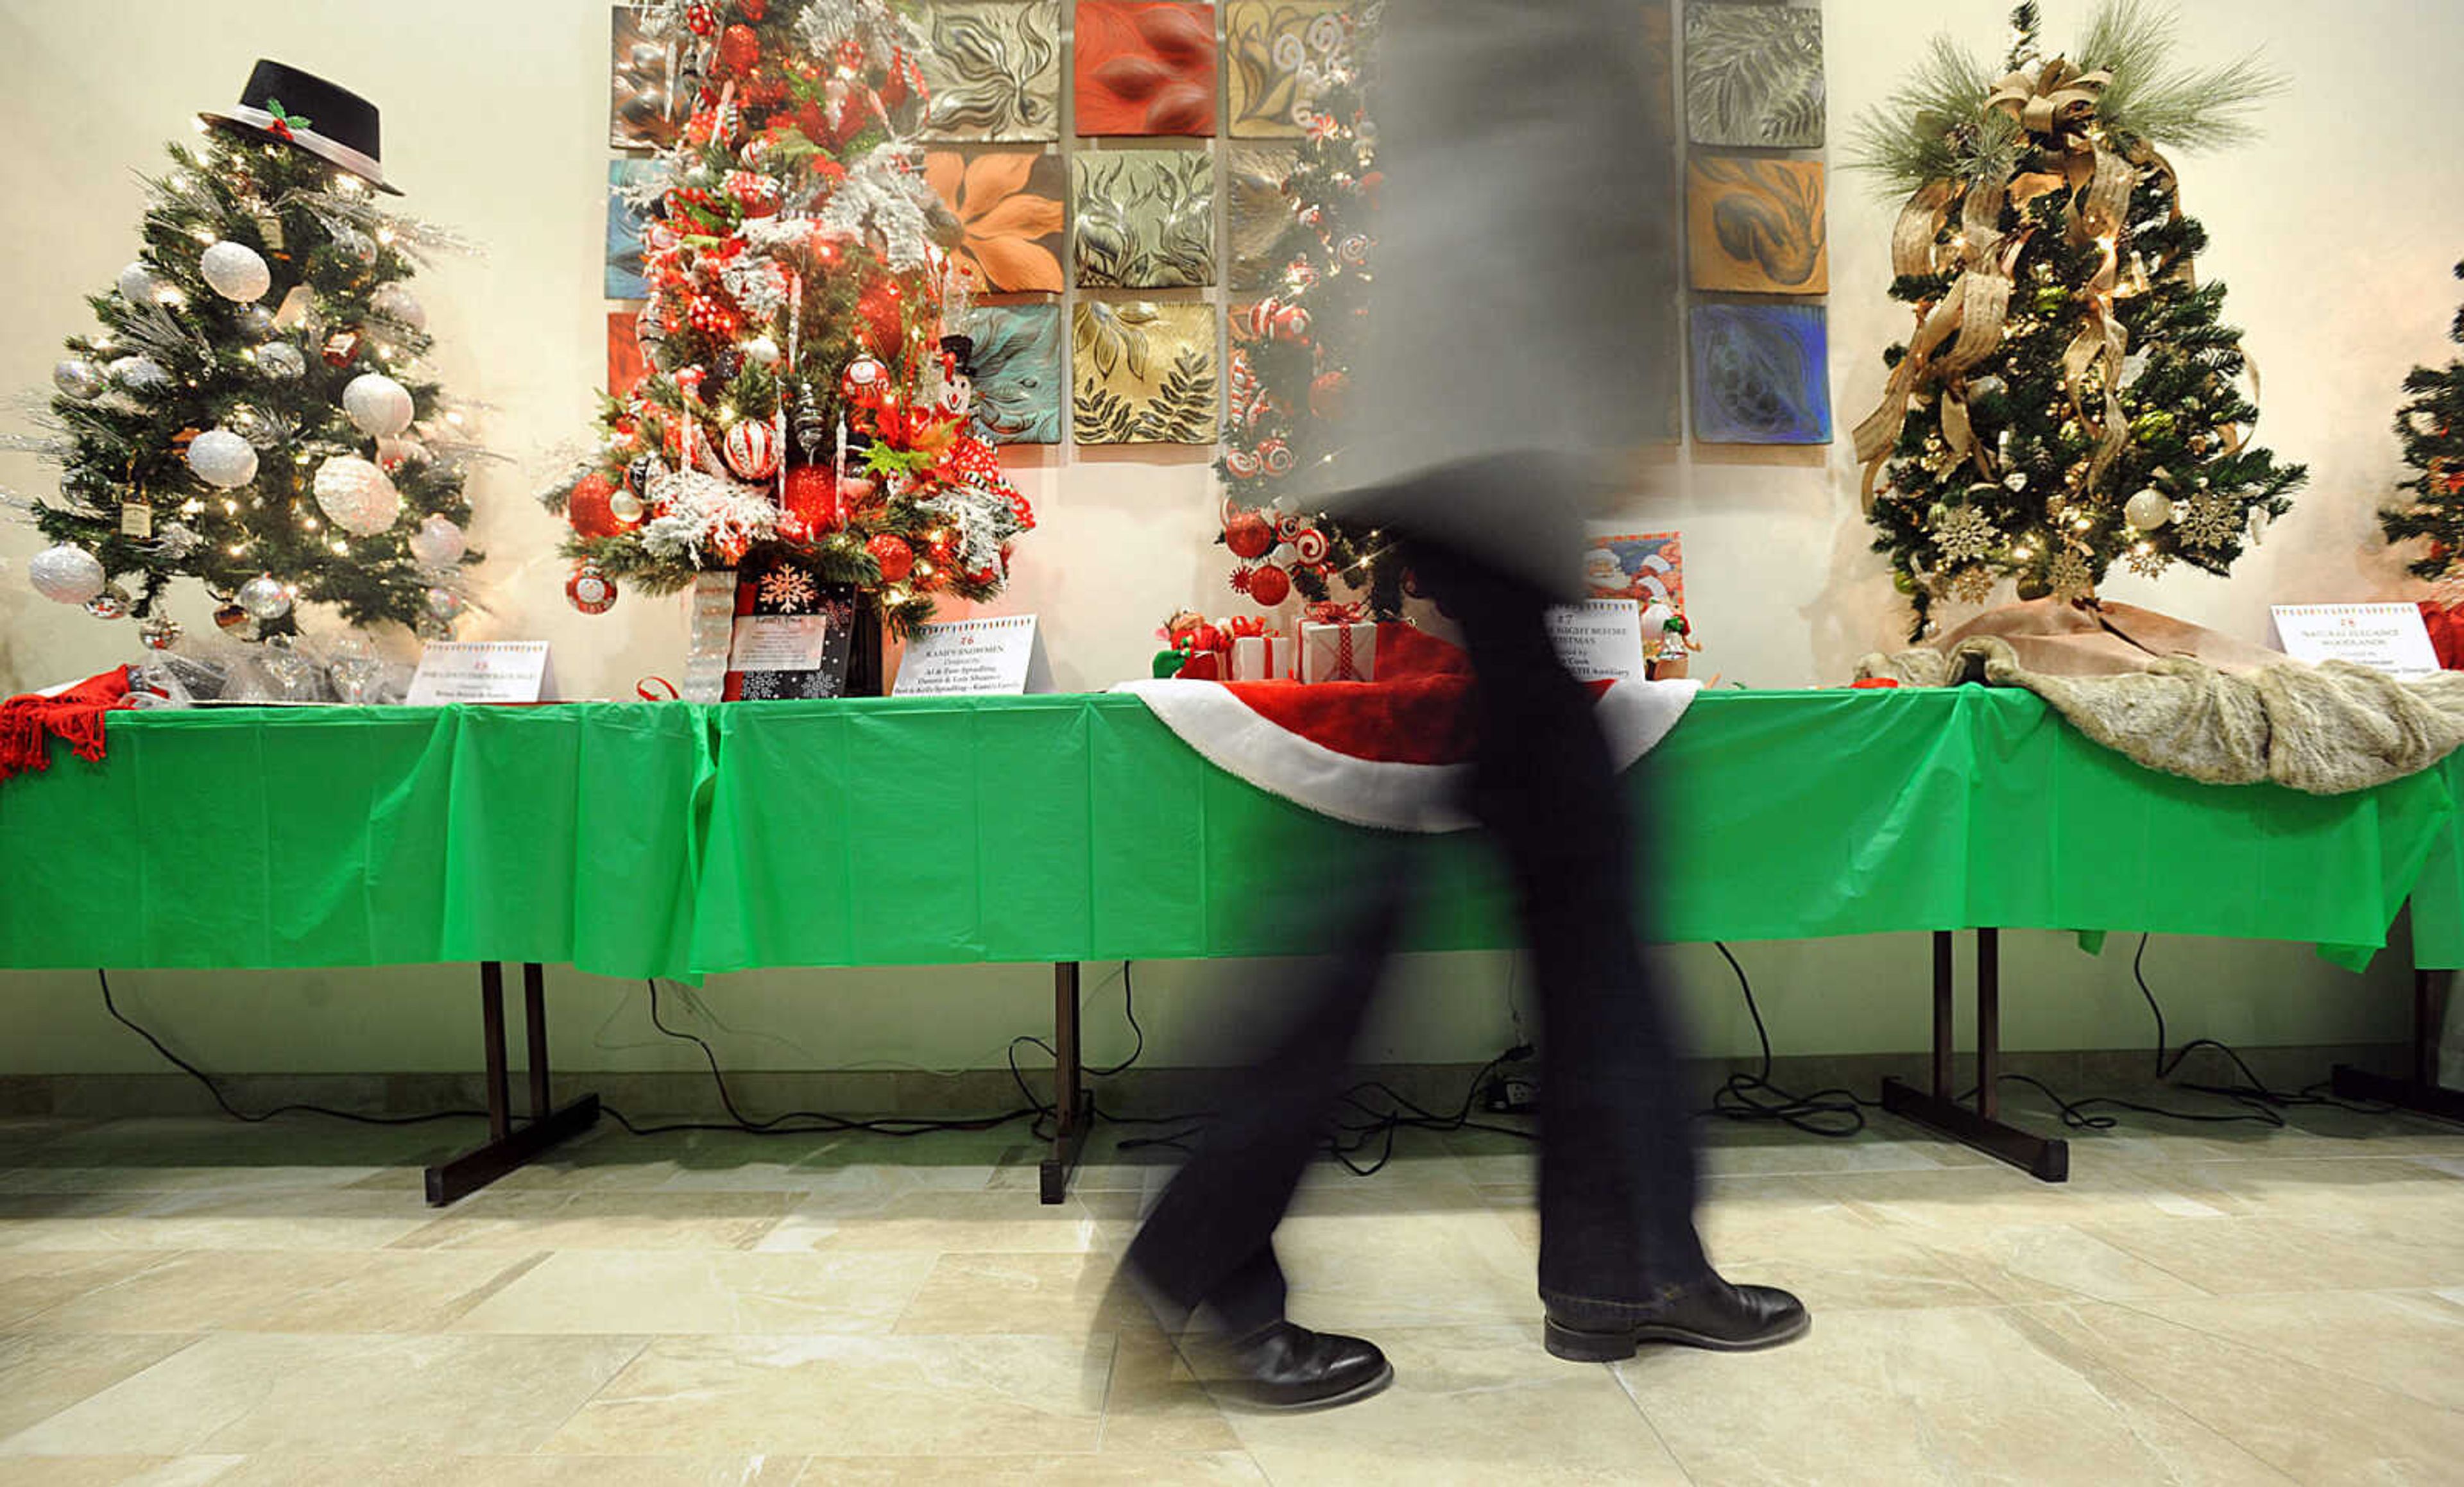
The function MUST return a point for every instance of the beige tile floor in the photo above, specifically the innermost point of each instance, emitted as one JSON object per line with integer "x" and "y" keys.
{"x": 192, "y": 1302}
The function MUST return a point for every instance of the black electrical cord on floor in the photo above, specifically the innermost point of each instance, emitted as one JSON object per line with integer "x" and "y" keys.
{"x": 2256, "y": 1090}
{"x": 1835, "y": 1113}
{"x": 227, "y": 1108}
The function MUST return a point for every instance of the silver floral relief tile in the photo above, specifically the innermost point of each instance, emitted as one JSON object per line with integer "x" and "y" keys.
{"x": 1754, "y": 76}
{"x": 1259, "y": 214}
{"x": 1145, "y": 219}
{"x": 994, "y": 68}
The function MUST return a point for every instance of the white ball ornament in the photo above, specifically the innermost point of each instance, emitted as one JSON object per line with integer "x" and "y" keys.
{"x": 400, "y": 305}
{"x": 221, "y": 459}
{"x": 378, "y": 404}
{"x": 356, "y": 496}
{"x": 140, "y": 374}
{"x": 2148, "y": 510}
{"x": 438, "y": 543}
{"x": 625, "y": 506}
{"x": 761, "y": 349}
{"x": 79, "y": 379}
{"x": 66, "y": 574}
{"x": 265, "y": 598}
{"x": 139, "y": 285}
{"x": 235, "y": 271}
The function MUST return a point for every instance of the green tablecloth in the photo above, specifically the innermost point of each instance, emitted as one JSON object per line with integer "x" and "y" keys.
{"x": 2438, "y": 899}
{"x": 639, "y": 840}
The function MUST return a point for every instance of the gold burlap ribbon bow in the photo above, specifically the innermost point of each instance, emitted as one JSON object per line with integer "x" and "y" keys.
{"x": 2056, "y": 103}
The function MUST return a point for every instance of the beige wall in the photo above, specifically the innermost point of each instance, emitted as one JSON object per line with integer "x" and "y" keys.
{"x": 2336, "y": 233}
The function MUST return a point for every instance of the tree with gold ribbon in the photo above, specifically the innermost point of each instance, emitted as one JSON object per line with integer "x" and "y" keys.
{"x": 2070, "y": 398}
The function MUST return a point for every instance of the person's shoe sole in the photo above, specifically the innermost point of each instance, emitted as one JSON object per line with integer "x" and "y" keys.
{"x": 1244, "y": 1400}
{"x": 1580, "y": 1346}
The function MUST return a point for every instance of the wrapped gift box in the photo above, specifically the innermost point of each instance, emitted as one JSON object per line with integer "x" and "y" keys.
{"x": 1339, "y": 652}
{"x": 1261, "y": 658}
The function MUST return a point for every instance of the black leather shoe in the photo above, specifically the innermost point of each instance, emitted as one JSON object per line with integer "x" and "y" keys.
{"x": 1284, "y": 1366}
{"x": 1732, "y": 1318}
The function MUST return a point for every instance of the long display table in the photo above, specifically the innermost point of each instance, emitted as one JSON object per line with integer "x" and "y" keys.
{"x": 674, "y": 840}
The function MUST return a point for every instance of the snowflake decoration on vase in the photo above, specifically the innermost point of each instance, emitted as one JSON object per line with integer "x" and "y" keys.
{"x": 789, "y": 591}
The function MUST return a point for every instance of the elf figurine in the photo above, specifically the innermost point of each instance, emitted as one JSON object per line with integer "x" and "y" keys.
{"x": 1669, "y": 656}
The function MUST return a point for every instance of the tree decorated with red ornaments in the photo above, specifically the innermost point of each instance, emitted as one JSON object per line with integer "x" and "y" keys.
{"x": 1292, "y": 358}
{"x": 2431, "y": 425}
{"x": 803, "y": 408}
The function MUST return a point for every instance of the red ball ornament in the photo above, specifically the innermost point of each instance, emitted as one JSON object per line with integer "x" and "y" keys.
{"x": 754, "y": 10}
{"x": 866, "y": 383}
{"x": 1249, "y": 537}
{"x": 896, "y": 559}
{"x": 884, "y": 316}
{"x": 1269, "y": 587}
{"x": 591, "y": 591}
{"x": 738, "y": 50}
{"x": 752, "y": 449}
{"x": 587, "y": 510}
{"x": 755, "y": 192}
{"x": 702, "y": 17}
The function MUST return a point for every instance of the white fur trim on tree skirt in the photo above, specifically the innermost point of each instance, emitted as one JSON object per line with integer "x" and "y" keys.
{"x": 1389, "y": 796}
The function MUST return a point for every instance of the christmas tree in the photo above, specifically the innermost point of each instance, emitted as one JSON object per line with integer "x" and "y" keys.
{"x": 1292, "y": 352}
{"x": 254, "y": 412}
{"x": 2071, "y": 397}
{"x": 803, "y": 406}
{"x": 2431, "y": 426}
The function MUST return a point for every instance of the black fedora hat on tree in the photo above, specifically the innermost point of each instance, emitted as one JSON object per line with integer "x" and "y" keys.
{"x": 305, "y": 112}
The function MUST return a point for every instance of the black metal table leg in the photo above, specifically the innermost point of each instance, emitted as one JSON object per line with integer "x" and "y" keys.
{"x": 508, "y": 1147}
{"x": 2422, "y": 1093}
{"x": 1074, "y": 1111}
{"x": 2046, "y": 1158}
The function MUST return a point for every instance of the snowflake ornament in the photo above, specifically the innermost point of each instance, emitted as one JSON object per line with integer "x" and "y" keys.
{"x": 2209, "y": 520}
{"x": 789, "y": 591}
{"x": 1972, "y": 585}
{"x": 2149, "y": 562}
{"x": 2070, "y": 577}
{"x": 1964, "y": 533}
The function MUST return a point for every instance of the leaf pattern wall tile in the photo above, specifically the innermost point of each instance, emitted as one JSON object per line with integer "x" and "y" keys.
{"x": 1762, "y": 374}
{"x": 1260, "y": 213}
{"x": 1754, "y": 76}
{"x": 1276, "y": 50}
{"x": 1145, "y": 219}
{"x": 1009, "y": 207}
{"x": 638, "y": 113}
{"x": 1144, "y": 373}
{"x": 1145, "y": 67}
{"x": 1756, "y": 227}
{"x": 1017, "y": 365}
{"x": 995, "y": 70}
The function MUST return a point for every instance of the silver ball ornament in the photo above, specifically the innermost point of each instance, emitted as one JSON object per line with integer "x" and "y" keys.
{"x": 761, "y": 349}
{"x": 159, "y": 633}
{"x": 356, "y": 496}
{"x": 253, "y": 424}
{"x": 221, "y": 459}
{"x": 2148, "y": 510}
{"x": 377, "y": 404}
{"x": 66, "y": 574}
{"x": 438, "y": 543}
{"x": 400, "y": 305}
{"x": 443, "y": 606}
{"x": 256, "y": 322}
{"x": 140, "y": 374}
{"x": 355, "y": 245}
{"x": 79, "y": 379}
{"x": 139, "y": 285}
{"x": 112, "y": 604}
{"x": 282, "y": 360}
{"x": 265, "y": 598}
{"x": 234, "y": 270}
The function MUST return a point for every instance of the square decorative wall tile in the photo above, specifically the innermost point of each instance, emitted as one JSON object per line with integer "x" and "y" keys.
{"x": 1009, "y": 205}
{"x": 624, "y": 276}
{"x": 1017, "y": 364}
{"x": 626, "y": 367}
{"x": 995, "y": 70}
{"x": 1276, "y": 49}
{"x": 1145, "y": 67}
{"x": 1754, "y": 76}
{"x": 1145, "y": 219}
{"x": 639, "y": 115}
{"x": 1756, "y": 227}
{"x": 1762, "y": 374}
{"x": 1144, "y": 373}
{"x": 1260, "y": 213}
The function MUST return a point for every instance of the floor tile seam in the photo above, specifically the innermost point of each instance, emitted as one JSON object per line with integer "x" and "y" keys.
{"x": 2275, "y": 1354}
{"x": 1626, "y": 1388}
{"x": 642, "y": 1344}
{"x": 7, "y": 1441}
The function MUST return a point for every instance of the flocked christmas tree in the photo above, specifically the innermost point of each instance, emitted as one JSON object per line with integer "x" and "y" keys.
{"x": 1292, "y": 353}
{"x": 2071, "y": 397}
{"x": 804, "y": 416}
{"x": 2431, "y": 426}
{"x": 254, "y": 411}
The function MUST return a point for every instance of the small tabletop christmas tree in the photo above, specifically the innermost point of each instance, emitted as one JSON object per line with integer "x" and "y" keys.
{"x": 2070, "y": 398}
{"x": 254, "y": 412}
{"x": 803, "y": 405}
{"x": 1292, "y": 352}
{"x": 2431, "y": 426}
